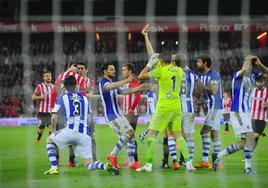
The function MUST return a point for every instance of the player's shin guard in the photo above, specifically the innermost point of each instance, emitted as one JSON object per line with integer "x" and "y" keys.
{"x": 216, "y": 146}
{"x": 119, "y": 145}
{"x": 149, "y": 150}
{"x": 51, "y": 152}
{"x": 190, "y": 143}
{"x": 183, "y": 148}
{"x": 229, "y": 150}
{"x": 96, "y": 165}
{"x": 172, "y": 148}
{"x": 205, "y": 147}
{"x": 131, "y": 151}
{"x": 248, "y": 150}
{"x": 143, "y": 134}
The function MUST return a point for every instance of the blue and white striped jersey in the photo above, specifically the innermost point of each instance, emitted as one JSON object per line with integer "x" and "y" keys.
{"x": 187, "y": 88}
{"x": 211, "y": 78}
{"x": 242, "y": 88}
{"x": 151, "y": 102}
{"x": 75, "y": 108}
{"x": 109, "y": 100}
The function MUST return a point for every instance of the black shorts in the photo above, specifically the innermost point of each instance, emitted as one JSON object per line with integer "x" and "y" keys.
{"x": 45, "y": 119}
{"x": 258, "y": 126}
{"x": 226, "y": 117}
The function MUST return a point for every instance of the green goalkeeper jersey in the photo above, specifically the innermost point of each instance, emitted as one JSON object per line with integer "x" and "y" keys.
{"x": 169, "y": 80}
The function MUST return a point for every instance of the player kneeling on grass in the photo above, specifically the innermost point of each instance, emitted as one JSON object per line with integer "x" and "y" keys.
{"x": 76, "y": 110}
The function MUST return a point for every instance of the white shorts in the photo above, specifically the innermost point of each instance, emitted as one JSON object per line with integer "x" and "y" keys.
{"x": 187, "y": 122}
{"x": 80, "y": 142}
{"x": 241, "y": 123}
{"x": 120, "y": 125}
{"x": 213, "y": 119}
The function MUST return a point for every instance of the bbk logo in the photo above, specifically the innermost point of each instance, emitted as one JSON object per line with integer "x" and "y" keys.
{"x": 159, "y": 28}
{"x": 69, "y": 28}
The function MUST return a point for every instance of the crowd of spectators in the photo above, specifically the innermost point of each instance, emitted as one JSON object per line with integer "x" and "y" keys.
{"x": 227, "y": 58}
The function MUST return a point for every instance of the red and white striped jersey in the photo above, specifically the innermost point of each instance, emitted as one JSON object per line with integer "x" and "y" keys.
{"x": 89, "y": 86}
{"x": 80, "y": 81}
{"x": 227, "y": 103}
{"x": 132, "y": 100}
{"x": 258, "y": 111}
{"x": 46, "y": 91}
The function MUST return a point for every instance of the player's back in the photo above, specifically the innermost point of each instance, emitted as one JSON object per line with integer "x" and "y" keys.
{"x": 242, "y": 87}
{"x": 75, "y": 108}
{"x": 169, "y": 80}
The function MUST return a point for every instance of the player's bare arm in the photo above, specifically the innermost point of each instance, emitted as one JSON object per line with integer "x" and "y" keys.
{"x": 54, "y": 118}
{"x": 118, "y": 84}
{"x": 89, "y": 119}
{"x": 247, "y": 66}
{"x": 259, "y": 64}
{"x": 148, "y": 44}
{"x": 142, "y": 87}
{"x": 145, "y": 74}
{"x": 209, "y": 89}
{"x": 36, "y": 97}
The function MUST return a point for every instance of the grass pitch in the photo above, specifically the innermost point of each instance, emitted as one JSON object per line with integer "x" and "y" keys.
{"x": 22, "y": 164}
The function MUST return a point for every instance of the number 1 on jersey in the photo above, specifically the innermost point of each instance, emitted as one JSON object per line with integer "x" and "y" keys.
{"x": 173, "y": 78}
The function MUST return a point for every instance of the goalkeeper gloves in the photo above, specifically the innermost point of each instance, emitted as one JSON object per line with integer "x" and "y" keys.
{"x": 153, "y": 60}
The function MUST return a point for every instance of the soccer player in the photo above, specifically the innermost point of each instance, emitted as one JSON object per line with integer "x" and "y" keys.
{"x": 150, "y": 52}
{"x": 131, "y": 103}
{"x": 186, "y": 96}
{"x": 89, "y": 90}
{"x": 210, "y": 83}
{"x": 113, "y": 115}
{"x": 168, "y": 109}
{"x": 58, "y": 89}
{"x": 242, "y": 86}
{"x": 227, "y": 102}
{"x": 76, "y": 110}
{"x": 42, "y": 94}
{"x": 259, "y": 107}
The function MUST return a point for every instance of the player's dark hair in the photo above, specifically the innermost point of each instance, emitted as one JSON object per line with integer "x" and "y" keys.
{"x": 83, "y": 64}
{"x": 70, "y": 83}
{"x": 130, "y": 67}
{"x": 206, "y": 59}
{"x": 105, "y": 66}
{"x": 180, "y": 60}
{"x": 165, "y": 57}
{"x": 45, "y": 72}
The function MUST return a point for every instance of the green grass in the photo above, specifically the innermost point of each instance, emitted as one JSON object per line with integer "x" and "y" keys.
{"x": 22, "y": 164}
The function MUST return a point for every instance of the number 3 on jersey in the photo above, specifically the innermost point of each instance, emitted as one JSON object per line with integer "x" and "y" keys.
{"x": 77, "y": 108}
